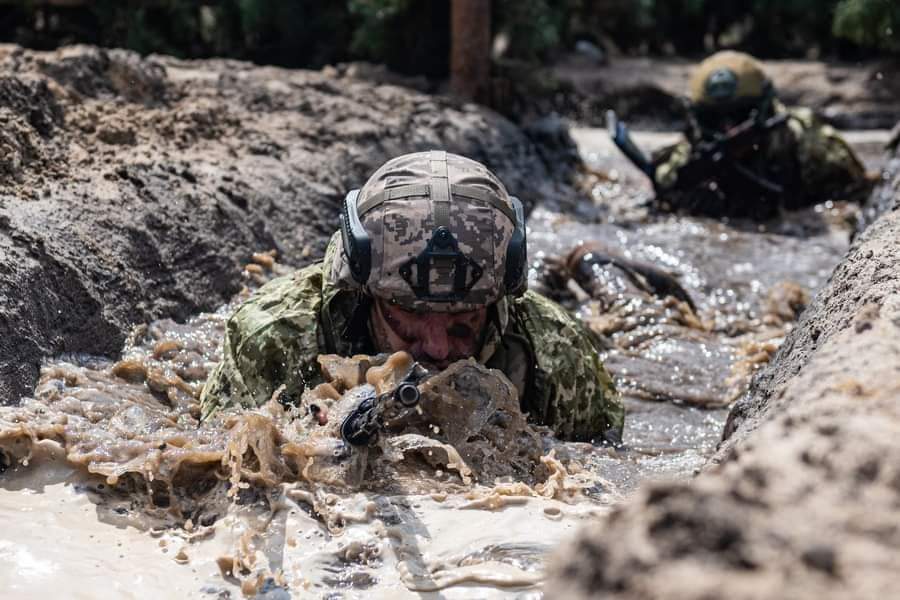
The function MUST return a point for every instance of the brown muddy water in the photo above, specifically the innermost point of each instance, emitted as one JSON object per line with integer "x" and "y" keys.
{"x": 110, "y": 487}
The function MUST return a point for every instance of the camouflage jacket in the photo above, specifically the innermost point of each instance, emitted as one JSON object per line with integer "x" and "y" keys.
{"x": 274, "y": 338}
{"x": 805, "y": 156}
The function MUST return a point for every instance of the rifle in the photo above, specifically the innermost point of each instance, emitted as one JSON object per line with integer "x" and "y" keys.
{"x": 708, "y": 156}
{"x": 737, "y": 138}
{"x": 362, "y": 425}
{"x": 621, "y": 137}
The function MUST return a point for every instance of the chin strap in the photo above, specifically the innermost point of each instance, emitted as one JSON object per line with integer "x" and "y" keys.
{"x": 493, "y": 334}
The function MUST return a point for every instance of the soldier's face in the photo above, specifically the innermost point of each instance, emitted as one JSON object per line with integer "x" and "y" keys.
{"x": 433, "y": 337}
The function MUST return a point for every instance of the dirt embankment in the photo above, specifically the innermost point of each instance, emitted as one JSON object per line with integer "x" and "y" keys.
{"x": 132, "y": 189}
{"x": 803, "y": 498}
{"x": 648, "y": 91}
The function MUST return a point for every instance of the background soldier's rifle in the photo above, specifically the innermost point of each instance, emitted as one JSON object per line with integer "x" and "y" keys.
{"x": 708, "y": 157}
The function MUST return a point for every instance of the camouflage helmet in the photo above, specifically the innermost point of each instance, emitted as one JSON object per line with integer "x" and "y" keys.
{"x": 727, "y": 88}
{"x": 432, "y": 231}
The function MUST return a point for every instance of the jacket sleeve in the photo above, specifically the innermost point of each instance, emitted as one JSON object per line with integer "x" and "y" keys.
{"x": 270, "y": 340}
{"x": 829, "y": 168}
{"x": 669, "y": 162}
{"x": 573, "y": 392}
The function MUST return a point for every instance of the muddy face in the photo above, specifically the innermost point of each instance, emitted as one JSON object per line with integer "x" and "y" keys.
{"x": 435, "y": 338}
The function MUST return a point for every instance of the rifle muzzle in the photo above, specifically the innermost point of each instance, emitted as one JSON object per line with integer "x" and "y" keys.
{"x": 407, "y": 394}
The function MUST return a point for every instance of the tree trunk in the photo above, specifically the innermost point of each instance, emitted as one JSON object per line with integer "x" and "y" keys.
{"x": 470, "y": 49}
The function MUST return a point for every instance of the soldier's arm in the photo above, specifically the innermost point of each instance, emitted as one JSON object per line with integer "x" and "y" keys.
{"x": 270, "y": 340}
{"x": 682, "y": 169}
{"x": 574, "y": 393}
{"x": 669, "y": 162}
{"x": 829, "y": 168}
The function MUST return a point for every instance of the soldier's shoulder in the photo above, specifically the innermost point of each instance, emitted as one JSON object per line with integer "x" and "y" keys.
{"x": 297, "y": 292}
{"x": 533, "y": 305}
{"x": 803, "y": 121}
{"x": 816, "y": 137}
{"x": 803, "y": 114}
{"x": 551, "y": 327}
{"x": 676, "y": 150}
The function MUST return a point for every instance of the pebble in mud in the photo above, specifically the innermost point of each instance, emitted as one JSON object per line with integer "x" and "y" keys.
{"x": 821, "y": 557}
{"x": 553, "y": 513}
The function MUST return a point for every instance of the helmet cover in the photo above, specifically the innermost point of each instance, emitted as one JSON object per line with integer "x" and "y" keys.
{"x": 439, "y": 225}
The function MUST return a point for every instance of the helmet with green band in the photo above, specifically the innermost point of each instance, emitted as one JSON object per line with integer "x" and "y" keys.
{"x": 728, "y": 88}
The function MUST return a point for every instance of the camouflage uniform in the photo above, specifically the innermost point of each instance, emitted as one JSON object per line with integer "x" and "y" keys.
{"x": 274, "y": 338}
{"x": 806, "y": 157}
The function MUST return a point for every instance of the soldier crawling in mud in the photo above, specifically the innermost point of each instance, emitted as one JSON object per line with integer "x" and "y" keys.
{"x": 430, "y": 259}
{"x": 746, "y": 155}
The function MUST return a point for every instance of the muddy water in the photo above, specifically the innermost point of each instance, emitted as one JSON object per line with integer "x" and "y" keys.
{"x": 109, "y": 473}
{"x": 144, "y": 502}
{"x": 748, "y": 281}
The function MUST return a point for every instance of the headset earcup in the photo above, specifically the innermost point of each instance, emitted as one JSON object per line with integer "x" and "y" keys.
{"x": 355, "y": 238}
{"x": 516, "y": 276}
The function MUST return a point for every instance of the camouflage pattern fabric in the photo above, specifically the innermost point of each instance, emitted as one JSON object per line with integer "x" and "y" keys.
{"x": 274, "y": 338}
{"x": 571, "y": 390}
{"x": 805, "y": 156}
{"x": 400, "y": 213}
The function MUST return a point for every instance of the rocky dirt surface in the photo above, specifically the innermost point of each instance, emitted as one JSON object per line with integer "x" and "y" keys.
{"x": 803, "y": 499}
{"x": 647, "y": 91}
{"x": 133, "y": 189}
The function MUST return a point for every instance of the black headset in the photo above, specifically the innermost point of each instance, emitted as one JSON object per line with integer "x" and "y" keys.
{"x": 442, "y": 246}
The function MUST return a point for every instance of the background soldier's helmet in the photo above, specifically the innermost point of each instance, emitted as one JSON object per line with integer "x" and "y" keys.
{"x": 728, "y": 88}
{"x": 432, "y": 231}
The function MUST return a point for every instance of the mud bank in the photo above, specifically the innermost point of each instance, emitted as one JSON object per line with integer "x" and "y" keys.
{"x": 802, "y": 499}
{"x": 132, "y": 189}
{"x": 851, "y": 96}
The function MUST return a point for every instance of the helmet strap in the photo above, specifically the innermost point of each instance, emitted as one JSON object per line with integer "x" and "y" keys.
{"x": 357, "y": 331}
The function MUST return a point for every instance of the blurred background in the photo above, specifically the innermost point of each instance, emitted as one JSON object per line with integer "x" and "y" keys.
{"x": 522, "y": 57}
{"x": 314, "y": 33}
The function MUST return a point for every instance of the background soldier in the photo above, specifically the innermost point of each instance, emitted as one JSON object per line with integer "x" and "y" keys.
{"x": 745, "y": 154}
{"x": 430, "y": 259}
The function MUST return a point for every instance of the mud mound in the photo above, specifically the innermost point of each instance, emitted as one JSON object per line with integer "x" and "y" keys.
{"x": 802, "y": 501}
{"x": 859, "y": 286}
{"x": 132, "y": 188}
{"x": 107, "y": 74}
{"x": 648, "y": 91}
{"x": 135, "y": 426}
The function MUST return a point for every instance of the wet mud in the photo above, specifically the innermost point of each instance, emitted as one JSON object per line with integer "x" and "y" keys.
{"x": 274, "y": 501}
{"x": 650, "y": 92}
{"x": 689, "y": 309}
{"x": 801, "y": 499}
{"x": 229, "y": 492}
{"x": 107, "y": 449}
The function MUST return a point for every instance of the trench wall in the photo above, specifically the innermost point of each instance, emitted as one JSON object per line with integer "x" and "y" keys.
{"x": 802, "y": 499}
{"x": 134, "y": 188}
